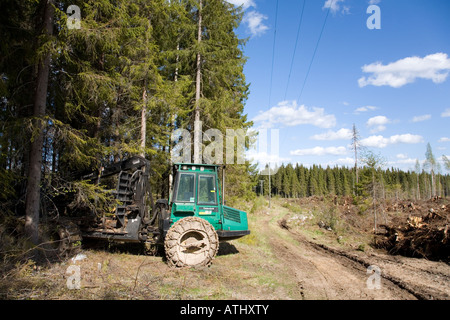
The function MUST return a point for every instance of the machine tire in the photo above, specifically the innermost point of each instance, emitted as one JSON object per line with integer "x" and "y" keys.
{"x": 191, "y": 242}
{"x": 68, "y": 236}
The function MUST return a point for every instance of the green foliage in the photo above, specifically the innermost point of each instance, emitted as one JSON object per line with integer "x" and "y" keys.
{"x": 92, "y": 197}
{"x": 131, "y": 63}
{"x": 388, "y": 183}
{"x": 6, "y": 185}
{"x": 446, "y": 162}
{"x": 327, "y": 217}
{"x": 257, "y": 204}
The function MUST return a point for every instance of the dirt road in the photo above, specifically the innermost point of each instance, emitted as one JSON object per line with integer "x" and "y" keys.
{"x": 323, "y": 272}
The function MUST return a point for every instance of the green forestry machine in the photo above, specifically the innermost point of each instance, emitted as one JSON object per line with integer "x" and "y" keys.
{"x": 189, "y": 225}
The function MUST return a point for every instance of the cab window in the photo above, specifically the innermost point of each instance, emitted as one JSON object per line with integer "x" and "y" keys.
{"x": 186, "y": 188}
{"x": 207, "y": 190}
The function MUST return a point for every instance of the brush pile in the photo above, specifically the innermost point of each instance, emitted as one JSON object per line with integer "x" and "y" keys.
{"x": 421, "y": 236}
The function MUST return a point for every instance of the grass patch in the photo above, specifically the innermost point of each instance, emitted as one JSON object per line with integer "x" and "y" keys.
{"x": 258, "y": 204}
{"x": 250, "y": 240}
{"x": 292, "y": 207}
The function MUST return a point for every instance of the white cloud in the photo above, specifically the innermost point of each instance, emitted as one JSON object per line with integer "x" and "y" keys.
{"x": 345, "y": 161}
{"x": 335, "y": 6}
{"x": 264, "y": 157}
{"x": 444, "y": 139}
{"x": 365, "y": 109}
{"x": 244, "y": 3}
{"x": 421, "y": 118}
{"x": 255, "y": 23}
{"x": 407, "y": 161}
{"x": 402, "y": 156}
{"x": 405, "y": 138}
{"x": 433, "y": 67}
{"x": 342, "y": 134}
{"x": 286, "y": 113}
{"x": 332, "y": 4}
{"x": 446, "y": 113}
{"x": 402, "y": 162}
{"x": 345, "y": 10}
{"x": 382, "y": 142}
{"x": 378, "y": 123}
{"x": 320, "y": 151}
{"x": 374, "y": 1}
{"x": 253, "y": 19}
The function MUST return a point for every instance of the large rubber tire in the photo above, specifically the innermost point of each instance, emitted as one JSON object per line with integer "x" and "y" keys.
{"x": 191, "y": 242}
{"x": 65, "y": 238}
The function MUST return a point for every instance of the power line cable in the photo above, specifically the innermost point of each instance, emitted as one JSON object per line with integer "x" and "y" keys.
{"x": 271, "y": 80}
{"x": 273, "y": 53}
{"x": 295, "y": 48}
{"x": 315, "y": 50}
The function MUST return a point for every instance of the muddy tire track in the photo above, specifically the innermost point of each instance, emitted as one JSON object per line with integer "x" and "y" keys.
{"x": 426, "y": 280}
{"x": 323, "y": 272}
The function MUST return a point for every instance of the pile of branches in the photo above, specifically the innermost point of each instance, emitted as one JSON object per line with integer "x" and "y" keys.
{"x": 424, "y": 236}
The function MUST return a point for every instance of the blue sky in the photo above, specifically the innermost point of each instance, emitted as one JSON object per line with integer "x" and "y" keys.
{"x": 393, "y": 83}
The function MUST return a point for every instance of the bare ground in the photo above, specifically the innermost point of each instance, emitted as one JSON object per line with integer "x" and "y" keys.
{"x": 284, "y": 261}
{"x": 326, "y": 273}
{"x": 326, "y": 270}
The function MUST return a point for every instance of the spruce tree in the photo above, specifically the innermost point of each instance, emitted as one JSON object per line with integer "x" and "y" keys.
{"x": 32, "y": 200}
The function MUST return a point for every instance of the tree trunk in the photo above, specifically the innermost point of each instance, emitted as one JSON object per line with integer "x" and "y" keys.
{"x": 355, "y": 143}
{"x": 418, "y": 188}
{"x": 32, "y": 200}
{"x": 172, "y": 122}
{"x": 143, "y": 121}
{"x": 374, "y": 203}
{"x": 433, "y": 184}
{"x": 197, "y": 124}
